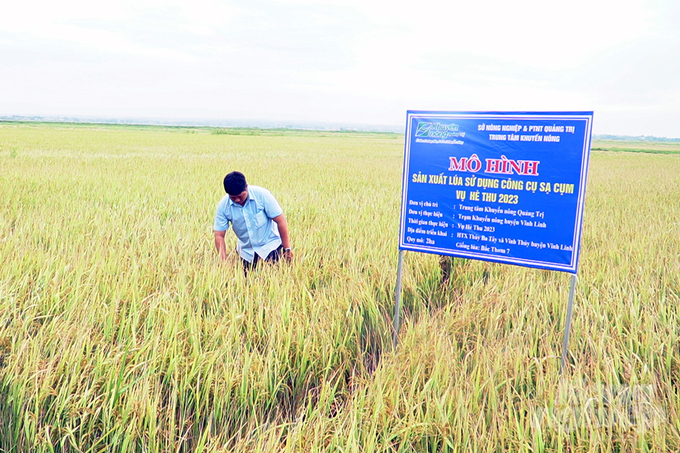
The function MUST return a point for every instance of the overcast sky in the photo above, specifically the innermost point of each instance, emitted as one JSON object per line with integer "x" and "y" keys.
{"x": 343, "y": 61}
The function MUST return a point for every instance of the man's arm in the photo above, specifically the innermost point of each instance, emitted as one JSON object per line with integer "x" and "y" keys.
{"x": 283, "y": 232}
{"x": 221, "y": 245}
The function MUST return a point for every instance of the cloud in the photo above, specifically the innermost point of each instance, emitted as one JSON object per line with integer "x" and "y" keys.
{"x": 341, "y": 60}
{"x": 149, "y": 29}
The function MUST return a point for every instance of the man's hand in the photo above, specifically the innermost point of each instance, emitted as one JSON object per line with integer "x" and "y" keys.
{"x": 285, "y": 237}
{"x": 288, "y": 255}
{"x": 220, "y": 245}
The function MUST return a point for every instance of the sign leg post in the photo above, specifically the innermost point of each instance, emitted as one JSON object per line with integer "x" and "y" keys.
{"x": 567, "y": 325}
{"x": 397, "y": 305}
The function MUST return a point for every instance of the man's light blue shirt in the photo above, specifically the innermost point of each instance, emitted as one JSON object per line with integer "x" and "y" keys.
{"x": 252, "y": 222}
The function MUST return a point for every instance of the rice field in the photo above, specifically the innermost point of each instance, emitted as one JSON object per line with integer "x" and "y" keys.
{"x": 120, "y": 330}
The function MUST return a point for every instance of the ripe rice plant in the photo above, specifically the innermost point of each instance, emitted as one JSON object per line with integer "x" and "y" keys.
{"x": 121, "y": 331}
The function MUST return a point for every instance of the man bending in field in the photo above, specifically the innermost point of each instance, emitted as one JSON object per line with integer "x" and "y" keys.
{"x": 257, "y": 220}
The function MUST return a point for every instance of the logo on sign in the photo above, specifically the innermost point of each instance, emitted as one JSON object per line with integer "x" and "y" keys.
{"x": 437, "y": 130}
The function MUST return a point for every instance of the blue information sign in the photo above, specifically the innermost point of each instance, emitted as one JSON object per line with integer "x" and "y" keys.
{"x": 507, "y": 187}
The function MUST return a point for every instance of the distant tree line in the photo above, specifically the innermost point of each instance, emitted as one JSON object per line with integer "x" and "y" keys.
{"x": 638, "y": 138}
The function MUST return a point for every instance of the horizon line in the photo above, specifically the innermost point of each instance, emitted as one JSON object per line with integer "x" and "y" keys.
{"x": 252, "y": 124}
